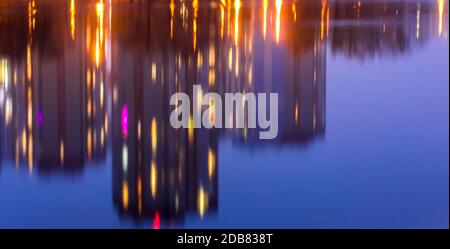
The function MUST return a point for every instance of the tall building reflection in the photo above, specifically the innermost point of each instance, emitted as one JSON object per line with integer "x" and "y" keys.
{"x": 81, "y": 79}
{"x": 55, "y": 111}
{"x": 404, "y": 25}
{"x": 160, "y": 172}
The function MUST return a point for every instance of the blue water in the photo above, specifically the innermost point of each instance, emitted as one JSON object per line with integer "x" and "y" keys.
{"x": 376, "y": 156}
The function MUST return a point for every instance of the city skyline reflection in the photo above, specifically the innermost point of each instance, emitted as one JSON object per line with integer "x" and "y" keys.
{"x": 81, "y": 80}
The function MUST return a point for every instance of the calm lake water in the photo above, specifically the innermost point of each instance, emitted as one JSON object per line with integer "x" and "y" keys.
{"x": 86, "y": 142}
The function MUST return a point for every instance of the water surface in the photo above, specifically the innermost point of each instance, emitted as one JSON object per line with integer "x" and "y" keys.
{"x": 86, "y": 140}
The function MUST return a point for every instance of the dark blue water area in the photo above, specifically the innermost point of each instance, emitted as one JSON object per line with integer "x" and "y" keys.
{"x": 383, "y": 162}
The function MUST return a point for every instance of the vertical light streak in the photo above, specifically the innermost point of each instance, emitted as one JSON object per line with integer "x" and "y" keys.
{"x": 154, "y": 136}
{"x": 72, "y": 19}
{"x": 265, "y": 6}
{"x": 29, "y": 108}
{"x": 294, "y": 11}
{"x": 100, "y": 7}
{"x": 328, "y": 20}
{"x": 99, "y": 32}
{"x": 278, "y": 5}
{"x": 31, "y": 16}
{"x": 153, "y": 179}
{"x": 211, "y": 163}
{"x": 441, "y": 4}
{"x": 195, "y": 7}
{"x": 237, "y": 7}
{"x": 125, "y": 194}
{"x": 89, "y": 143}
{"x": 61, "y": 151}
{"x": 29, "y": 66}
{"x": 202, "y": 201}
{"x": 418, "y": 21}
{"x": 322, "y": 19}
{"x": 222, "y": 18}
{"x": 172, "y": 11}
{"x": 139, "y": 192}
{"x": 191, "y": 129}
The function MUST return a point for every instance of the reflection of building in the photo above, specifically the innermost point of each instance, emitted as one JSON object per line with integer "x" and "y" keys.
{"x": 70, "y": 100}
{"x": 399, "y": 27}
{"x": 56, "y": 103}
{"x": 290, "y": 62}
{"x": 158, "y": 172}
{"x": 302, "y": 104}
{"x": 304, "y": 93}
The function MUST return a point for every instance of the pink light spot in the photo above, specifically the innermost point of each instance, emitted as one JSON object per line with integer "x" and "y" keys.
{"x": 156, "y": 221}
{"x": 125, "y": 120}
